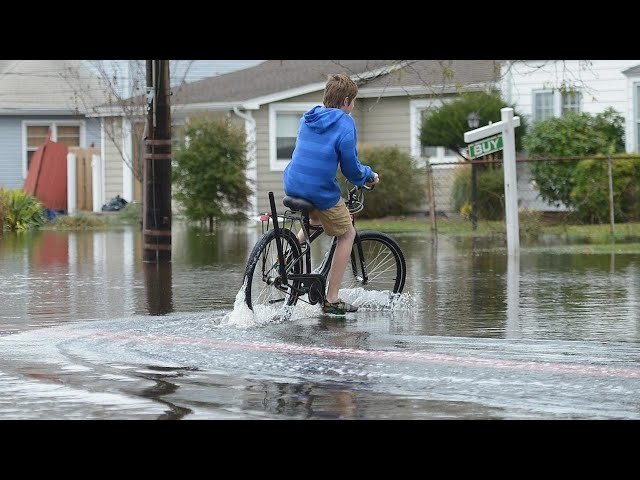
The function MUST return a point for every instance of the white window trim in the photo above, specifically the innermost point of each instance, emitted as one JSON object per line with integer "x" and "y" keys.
{"x": 275, "y": 108}
{"x": 634, "y": 133}
{"x": 415, "y": 118}
{"x": 54, "y": 135}
{"x": 557, "y": 101}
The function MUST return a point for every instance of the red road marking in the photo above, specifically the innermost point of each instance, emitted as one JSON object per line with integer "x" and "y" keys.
{"x": 438, "y": 358}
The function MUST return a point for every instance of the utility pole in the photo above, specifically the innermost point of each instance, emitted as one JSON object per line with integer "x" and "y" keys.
{"x": 156, "y": 203}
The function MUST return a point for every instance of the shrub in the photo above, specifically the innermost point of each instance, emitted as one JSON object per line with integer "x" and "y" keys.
{"x": 489, "y": 192}
{"x": 590, "y": 194}
{"x": 209, "y": 171}
{"x": 402, "y": 185}
{"x": 21, "y": 210}
{"x": 575, "y": 134}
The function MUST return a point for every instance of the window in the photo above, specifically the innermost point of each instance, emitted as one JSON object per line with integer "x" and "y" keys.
{"x": 554, "y": 103}
{"x": 419, "y": 110}
{"x": 35, "y": 134}
{"x": 542, "y": 105}
{"x": 570, "y": 102}
{"x": 284, "y": 120}
{"x": 286, "y": 134}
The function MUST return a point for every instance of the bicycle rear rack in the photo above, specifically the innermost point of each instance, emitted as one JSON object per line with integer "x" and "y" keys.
{"x": 276, "y": 227}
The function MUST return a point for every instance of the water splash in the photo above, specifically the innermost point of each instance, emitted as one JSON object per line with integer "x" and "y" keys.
{"x": 378, "y": 300}
{"x": 366, "y": 300}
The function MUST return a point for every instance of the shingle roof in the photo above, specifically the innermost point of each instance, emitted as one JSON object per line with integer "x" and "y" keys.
{"x": 632, "y": 72}
{"x": 274, "y": 76}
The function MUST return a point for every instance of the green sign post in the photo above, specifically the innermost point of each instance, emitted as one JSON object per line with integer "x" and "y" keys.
{"x": 486, "y": 146}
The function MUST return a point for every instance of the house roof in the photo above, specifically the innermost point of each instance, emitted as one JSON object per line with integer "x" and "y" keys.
{"x": 632, "y": 72}
{"x": 60, "y": 87}
{"x": 275, "y": 80}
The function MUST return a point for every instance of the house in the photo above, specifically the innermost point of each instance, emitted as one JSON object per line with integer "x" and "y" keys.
{"x": 59, "y": 96}
{"x": 544, "y": 88}
{"x": 38, "y": 97}
{"x": 268, "y": 100}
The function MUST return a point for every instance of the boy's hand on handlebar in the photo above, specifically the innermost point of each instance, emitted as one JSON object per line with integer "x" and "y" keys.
{"x": 373, "y": 181}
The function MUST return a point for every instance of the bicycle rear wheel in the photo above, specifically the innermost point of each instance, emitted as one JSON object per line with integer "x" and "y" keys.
{"x": 384, "y": 262}
{"x": 262, "y": 275}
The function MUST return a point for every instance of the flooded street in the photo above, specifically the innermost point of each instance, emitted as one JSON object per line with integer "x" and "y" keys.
{"x": 88, "y": 331}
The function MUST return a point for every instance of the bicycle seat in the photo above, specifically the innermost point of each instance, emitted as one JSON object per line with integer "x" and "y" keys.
{"x": 297, "y": 204}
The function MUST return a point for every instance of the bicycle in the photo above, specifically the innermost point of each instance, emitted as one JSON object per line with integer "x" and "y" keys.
{"x": 279, "y": 268}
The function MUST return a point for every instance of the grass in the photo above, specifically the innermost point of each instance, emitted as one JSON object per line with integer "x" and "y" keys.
{"x": 129, "y": 215}
{"x": 584, "y": 238}
{"x": 588, "y": 239}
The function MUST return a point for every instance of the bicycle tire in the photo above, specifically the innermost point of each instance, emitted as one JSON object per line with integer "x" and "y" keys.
{"x": 384, "y": 260}
{"x": 262, "y": 274}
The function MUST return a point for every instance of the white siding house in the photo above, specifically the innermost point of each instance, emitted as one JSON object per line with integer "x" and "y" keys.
{"x": 544, "y": 88}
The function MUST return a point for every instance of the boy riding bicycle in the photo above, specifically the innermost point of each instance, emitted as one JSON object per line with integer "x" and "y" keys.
{"x": 326, "y": 140}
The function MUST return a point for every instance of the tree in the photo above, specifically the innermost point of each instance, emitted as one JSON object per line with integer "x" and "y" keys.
{"x": 447, "y": 124}
{"x": 209, "y": 171}
{"x": 121, "y": 85}
{"x": 576, "y": 134}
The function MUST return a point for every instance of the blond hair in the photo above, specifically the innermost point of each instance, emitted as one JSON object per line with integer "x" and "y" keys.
{"x": 337, "y": 88}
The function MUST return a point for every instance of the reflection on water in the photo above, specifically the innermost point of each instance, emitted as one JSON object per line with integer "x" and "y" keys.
{"x": 458, "y": 287}
{"x": 157, "y": 282}
{"x": 476, "y": 334}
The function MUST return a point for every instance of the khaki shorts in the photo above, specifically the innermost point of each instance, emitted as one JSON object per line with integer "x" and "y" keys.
{"x": 335, "y": 221}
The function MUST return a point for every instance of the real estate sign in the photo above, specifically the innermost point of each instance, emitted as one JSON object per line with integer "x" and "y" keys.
{"x": 486, "y": 146}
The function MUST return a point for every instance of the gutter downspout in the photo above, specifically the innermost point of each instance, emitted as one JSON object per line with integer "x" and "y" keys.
{"x": 252, "y": 164}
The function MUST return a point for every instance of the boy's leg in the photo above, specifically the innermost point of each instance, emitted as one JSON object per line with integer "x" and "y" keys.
{"x": 336, "y": 222}
{"x": 313, "y": 220}
{"x": 339, "y": 263}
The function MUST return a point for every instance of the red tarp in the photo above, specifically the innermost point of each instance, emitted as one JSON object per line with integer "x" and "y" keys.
{"x": 47, "y": 176}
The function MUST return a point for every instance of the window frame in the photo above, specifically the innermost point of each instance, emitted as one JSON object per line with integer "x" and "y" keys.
{"x": 276, "y": 165}
{"x": 416, "y": 107}
{"x": 53, "y": 126}
{"x": 557, "y": 101}
{"x": 636, "y": 116}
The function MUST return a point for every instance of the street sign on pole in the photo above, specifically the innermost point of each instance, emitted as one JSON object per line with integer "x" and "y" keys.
{"x": 486, "y": 146}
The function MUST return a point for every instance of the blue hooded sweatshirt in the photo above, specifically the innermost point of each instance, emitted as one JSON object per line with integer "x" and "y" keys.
{"x": 326, "y": 139}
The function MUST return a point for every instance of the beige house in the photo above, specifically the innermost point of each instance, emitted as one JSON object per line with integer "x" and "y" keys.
{"x": 269, "y": 98}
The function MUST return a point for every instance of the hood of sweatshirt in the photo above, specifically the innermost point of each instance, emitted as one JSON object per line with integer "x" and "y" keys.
{"x": 320, "y": 118}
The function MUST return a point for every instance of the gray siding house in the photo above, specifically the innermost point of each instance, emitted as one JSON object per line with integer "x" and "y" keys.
{"x": 269, "y": 98}
{"x": 38, "y": 97}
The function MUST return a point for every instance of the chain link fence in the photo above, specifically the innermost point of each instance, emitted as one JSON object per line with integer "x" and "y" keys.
{"x": 570, "y": 190}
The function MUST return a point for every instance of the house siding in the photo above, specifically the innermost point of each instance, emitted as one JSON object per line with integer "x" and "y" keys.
{"x": 11, "y": 141}
{"x": 267, "y": 180}
{"x": 386, "y": 122}
{"x": 11, "y": 153}
{"x": 112, "y": 159}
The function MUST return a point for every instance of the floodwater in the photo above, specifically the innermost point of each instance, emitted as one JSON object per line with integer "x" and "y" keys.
{"x": 89, "y": 331}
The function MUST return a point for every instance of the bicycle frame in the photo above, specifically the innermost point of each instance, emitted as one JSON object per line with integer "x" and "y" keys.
{"x": 305, "y": 282}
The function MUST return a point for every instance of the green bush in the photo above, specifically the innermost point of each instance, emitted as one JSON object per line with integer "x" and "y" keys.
{"x": 575, "y": 134}
{"x": 209, "y": 171}
{"x": 402, "y": 184}
{"x": 21, "y": 210}
{"x": 489, "y": 191}
{"x": 590, "y": 194}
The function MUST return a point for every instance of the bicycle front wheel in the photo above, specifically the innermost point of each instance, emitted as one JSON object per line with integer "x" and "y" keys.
{"x": 262, "y": 274}
{"x": 384, "y": 262}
